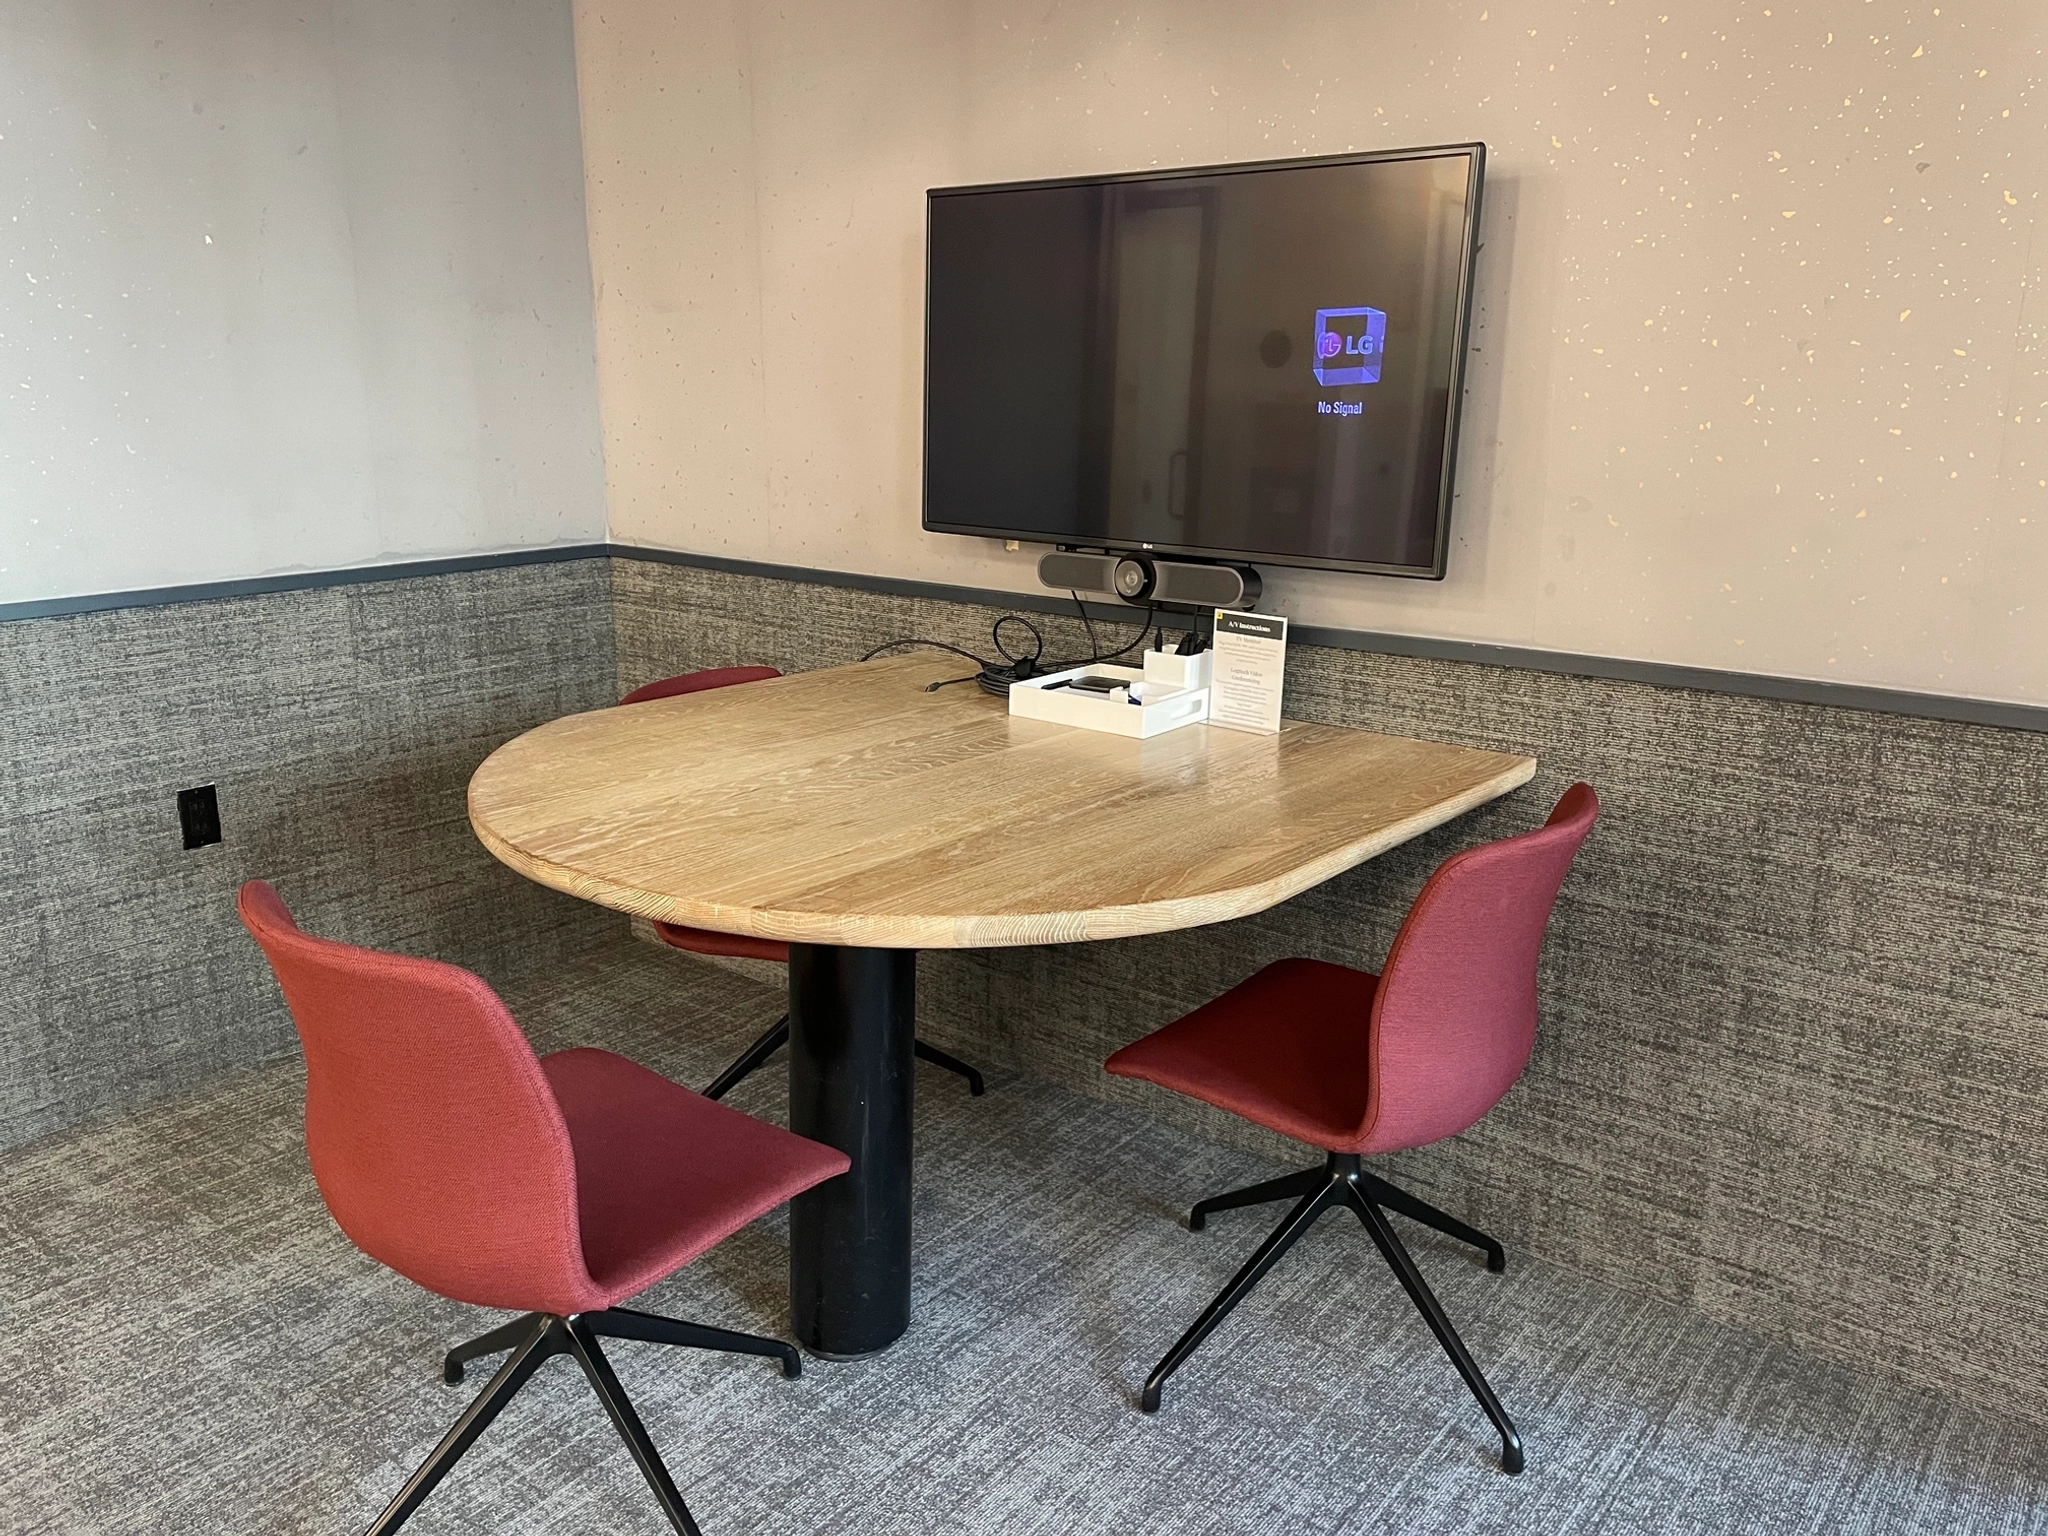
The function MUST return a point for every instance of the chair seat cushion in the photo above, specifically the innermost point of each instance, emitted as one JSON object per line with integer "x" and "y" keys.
{"x": 1286, "y": 1049}
{"x": 703, "y": 941}
{"x": 662, "y": 1173}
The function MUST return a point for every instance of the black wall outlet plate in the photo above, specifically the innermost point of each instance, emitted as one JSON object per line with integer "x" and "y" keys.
{"x": 199, "y": 815}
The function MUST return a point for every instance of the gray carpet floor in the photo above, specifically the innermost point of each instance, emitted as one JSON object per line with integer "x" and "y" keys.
{"x": 191, "y": 1346}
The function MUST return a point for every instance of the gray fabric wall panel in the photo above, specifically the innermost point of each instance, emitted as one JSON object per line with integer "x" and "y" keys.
{"x": 1795, "y": 1034}
{"x": 1795, "y": 1005}
{"x": 341, "y": 727}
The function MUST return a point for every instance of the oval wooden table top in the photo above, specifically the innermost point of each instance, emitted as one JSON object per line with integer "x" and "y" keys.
{"x": 849, "y": 806}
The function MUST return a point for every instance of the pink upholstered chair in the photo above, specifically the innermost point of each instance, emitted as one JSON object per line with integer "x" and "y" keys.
{"x": 706, "y": 941}
{"x": 554, "y": 1187}
{"x": 1358, "y": 1064}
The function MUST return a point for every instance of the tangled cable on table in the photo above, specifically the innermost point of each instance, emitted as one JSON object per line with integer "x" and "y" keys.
{"x": 995, "y": 677}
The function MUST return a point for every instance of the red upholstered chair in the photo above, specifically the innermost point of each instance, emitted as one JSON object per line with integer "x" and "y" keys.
{"x": 555, "y": 1187}
{"x": 705, "y": 941}
{"x": 698, "y": 682}
{"x": 1359, "y": 1064}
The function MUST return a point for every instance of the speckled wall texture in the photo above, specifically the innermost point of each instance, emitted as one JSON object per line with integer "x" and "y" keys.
{"x": 1793, "y": 1065}
{"x": 340, "y": 727}
{"x": 1757, "y": 381}
{"x": 289, "y": 288}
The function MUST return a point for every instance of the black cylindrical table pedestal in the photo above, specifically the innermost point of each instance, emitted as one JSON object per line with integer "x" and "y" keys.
{"x": 851, "y": 1030}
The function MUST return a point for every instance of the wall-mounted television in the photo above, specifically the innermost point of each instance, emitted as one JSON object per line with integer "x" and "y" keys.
{"x": 1245, "y": 363}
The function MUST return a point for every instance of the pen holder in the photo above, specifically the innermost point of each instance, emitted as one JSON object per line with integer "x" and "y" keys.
{"x": 1180, "y": 671}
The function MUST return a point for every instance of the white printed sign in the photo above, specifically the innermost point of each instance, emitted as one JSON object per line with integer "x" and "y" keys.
{"x": 1251, "y": 664}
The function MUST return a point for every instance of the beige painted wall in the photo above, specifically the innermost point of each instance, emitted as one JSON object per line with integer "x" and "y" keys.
{"x": 288, "y": 288}
{"x": 1757, "y": 378}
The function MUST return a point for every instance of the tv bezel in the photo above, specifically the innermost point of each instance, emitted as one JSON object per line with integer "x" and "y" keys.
{"x": 1459, "y": 346}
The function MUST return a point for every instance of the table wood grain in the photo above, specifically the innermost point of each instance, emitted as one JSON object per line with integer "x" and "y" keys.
{"x": 849, "y": 806}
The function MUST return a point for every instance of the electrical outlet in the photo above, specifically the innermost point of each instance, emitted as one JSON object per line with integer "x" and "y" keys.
{"x": 199, "y": 815}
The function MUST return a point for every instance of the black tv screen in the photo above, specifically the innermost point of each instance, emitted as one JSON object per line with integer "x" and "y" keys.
{"x": 1249, "y": 362}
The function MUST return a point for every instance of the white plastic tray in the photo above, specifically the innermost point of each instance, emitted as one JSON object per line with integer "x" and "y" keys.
{"x": 1161, "y": 708}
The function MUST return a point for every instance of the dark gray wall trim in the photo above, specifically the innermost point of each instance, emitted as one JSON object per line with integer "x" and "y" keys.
{"x": 296, "y": 581}
{"x": 1661, "y": 674}
{"x": 1794, "y": 690}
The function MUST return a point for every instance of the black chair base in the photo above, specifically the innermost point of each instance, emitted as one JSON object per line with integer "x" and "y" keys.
{"x": 778, "y": 1036}
{"x": 537, "y": 1338}
{"x": 1341, "y": 1181}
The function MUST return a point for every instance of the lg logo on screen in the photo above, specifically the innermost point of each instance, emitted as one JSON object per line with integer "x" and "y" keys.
{"x": 1349, "y": 345}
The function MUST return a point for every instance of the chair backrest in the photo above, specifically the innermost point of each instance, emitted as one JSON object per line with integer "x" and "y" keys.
{"x": 1454, "y": 1018}
{"x": 697, "y": 682}
{"x": 433, "y": 1134}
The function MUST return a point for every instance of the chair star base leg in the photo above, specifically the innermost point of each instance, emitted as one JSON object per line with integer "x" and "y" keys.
{"x": 598, "y": 1371}
{"x": 1292, "y": 1187}
{"x": 1342, "y": 1181}
{"x": 537, "y": 1338}
{"x": 752, "y": 1057}
{"x": 952, "y": 1064}
{"x": 495, "y": 1342}
{"x": 757, "y": 1054}
{"x": 624, "y": 1323}
{"x": 1298, "y": 1221}
{"x": 1403, "y": 1266}
{"x": 541, "y": 1339}
{"x": 1394, "y": 1198}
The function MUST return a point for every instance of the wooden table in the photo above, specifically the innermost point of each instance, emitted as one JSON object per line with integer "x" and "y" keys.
{"x": 861, "y": 818}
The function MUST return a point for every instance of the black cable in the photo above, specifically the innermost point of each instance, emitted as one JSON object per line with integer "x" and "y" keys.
{"x": 1144, "y": 633}
{"x": 995, "y": 677}
{"x": 937, "y": 645}
{"x": 995, "y": 634}
{"x": 1094, "y": 645}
